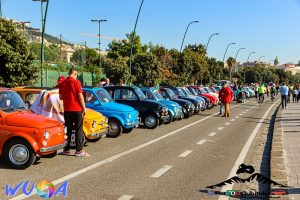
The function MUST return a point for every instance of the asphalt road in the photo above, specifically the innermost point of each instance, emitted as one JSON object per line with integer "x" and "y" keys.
{"x": 173, "y": 161}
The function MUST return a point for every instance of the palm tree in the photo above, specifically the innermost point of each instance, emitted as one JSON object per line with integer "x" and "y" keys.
{"x": 230, "y": 62}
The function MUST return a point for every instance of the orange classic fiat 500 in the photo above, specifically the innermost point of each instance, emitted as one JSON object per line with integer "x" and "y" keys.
{"x": 23, "y": 134}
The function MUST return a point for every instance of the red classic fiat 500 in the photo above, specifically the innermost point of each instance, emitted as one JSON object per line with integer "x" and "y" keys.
{"x": 23, "y": 134}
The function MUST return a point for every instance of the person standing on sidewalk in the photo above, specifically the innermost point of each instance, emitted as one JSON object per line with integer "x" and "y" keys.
{"x": 295, "y": 93}
{"x": 70, "y": 91}
{"x": 284, "y": 91}
{"x": 226, "y": 96}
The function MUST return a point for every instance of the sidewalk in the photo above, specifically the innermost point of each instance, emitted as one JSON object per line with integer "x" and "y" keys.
{"x": 285, "y": 163}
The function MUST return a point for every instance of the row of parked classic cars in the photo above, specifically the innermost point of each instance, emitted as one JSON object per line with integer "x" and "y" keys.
{"x": 32, "y": 124}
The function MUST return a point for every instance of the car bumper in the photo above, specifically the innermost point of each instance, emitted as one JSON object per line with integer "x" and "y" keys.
{"x": 98, "y": 134}
{"x": 53, "y": 148}
{"x": 132, "y": 124}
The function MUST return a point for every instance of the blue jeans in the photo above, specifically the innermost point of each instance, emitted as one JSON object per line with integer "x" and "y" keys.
{"x": 221, "y": 108}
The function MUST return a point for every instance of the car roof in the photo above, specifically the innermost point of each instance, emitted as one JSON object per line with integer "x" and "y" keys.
{"x": 31, "y": 89}
{"x": 121, "y": 87}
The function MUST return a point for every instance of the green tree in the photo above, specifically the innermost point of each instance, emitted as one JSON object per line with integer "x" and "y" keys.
{"x": 16, "y": 66}
{"x": 147, "y": 69}
{"x": 52, "y": 52}
{"x": 117, "y": 70}
{"x": 121, "y": 48}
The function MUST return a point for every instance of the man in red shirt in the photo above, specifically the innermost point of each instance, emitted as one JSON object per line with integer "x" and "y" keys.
{"x": 70, "y": 91}
{"x": 226, "y": 95}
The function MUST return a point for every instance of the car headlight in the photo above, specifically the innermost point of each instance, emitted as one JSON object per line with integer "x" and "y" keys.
{"x": 93, "y": 124}
{"x": 65, "y": 130}
{"x": 46, "y": 135}
{"x": 129, "y": 115}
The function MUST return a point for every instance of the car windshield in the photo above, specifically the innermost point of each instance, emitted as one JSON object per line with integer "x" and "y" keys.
{"x": 213, "y": 89}
{"x": 171, "y": 93}
{"x": 157, "y": 95}
{"x": 103, "y": 95}
{"x": 11, "y": 101}
{"x": 202, "y": 91}
{"x": 207, "y": 90}
{"x": 218, "y": 88}
{"x": 140, "y": 93}
{"x": 182, "y": 92}
{"x": 192, "y": 91}
{"x": 187, "y": 91}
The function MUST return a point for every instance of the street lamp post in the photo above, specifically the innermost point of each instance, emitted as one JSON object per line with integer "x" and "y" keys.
{"x": 226, "y": 50}
{"x": 245, "y": 66}
{"x": 237, "y": 53}
{"x": 260, "y": 58}
{"x": 250, "y": 55}
{"x": 209, "y": 39}
{"x": 0, "y": 10}
{"x": 133, "y": 35}
{"x": 186, "y": 32}
{"x": 43, "y": 19}
{"x": 99, "y": 22}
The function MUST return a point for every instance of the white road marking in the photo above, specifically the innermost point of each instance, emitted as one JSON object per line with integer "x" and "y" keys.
{"x": 220, "y": 128}
{"x": 212, "y": 134}
{"x": 237, "y": 117}
{"x": 244, "y": 152}
{"x": 247, "y": 110}
{"x": 185, "y": 154}
{"x": 227, "y": 123}
{"x": 161, "y": 171}
{"x": 201, "y": 142}
{"x": 104, "y": 136}
{"x": 244, "y": 112}
{"x": 241, "y": 114}
{"x": 232, "y": 120}
{"x": 116, "y": 156}
{"x": 125, "y": 197}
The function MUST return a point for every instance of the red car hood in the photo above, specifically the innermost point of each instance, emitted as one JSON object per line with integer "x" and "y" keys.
{"x": 30, "y": 120}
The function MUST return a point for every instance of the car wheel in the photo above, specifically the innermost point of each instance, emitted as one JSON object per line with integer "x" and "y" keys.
{"x": 127, "y": 130}
{"x": 169, "y": 119}
{"x": 115, "y": 128}
{"x": 151, "y": 122}
{"x": 19, "y": 154}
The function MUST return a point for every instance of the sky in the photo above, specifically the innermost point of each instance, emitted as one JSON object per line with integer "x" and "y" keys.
{"x": 268, "y": 27}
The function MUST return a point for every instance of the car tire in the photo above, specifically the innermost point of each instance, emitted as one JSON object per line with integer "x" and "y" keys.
{"x": 170, "y": 118}
{"x": 115, "y": 128}
{"x": 151, "y": 121}
{"x": 25, "y": 158}
{"x": 127, "y": 130}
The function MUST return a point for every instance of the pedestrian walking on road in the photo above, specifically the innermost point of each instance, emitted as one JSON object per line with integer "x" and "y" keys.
{"x": 284, "y": 91}
{"x": 70, "y": 91}
{"x": 226, "y": 96}
{"x": 295, "y": 93}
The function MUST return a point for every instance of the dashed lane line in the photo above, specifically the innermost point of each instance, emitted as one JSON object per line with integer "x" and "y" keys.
{"x": 201, "y": 142}
{"x": 185, "y": 154}
{"x": 125, "y": 197}
{"x": 220, "y": 128}
{"x": 227, "y": 123}
{"x": 161, "y": 171}
{"x": 212, "y": 134}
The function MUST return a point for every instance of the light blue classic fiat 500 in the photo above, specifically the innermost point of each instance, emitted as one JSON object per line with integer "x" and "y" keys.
{"x": 121, "y": 118}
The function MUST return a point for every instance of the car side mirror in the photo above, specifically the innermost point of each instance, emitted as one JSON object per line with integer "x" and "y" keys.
{"x": 96, "y": 103}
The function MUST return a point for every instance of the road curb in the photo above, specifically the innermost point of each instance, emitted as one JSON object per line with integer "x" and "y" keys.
{"x": 278, "y": 168}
